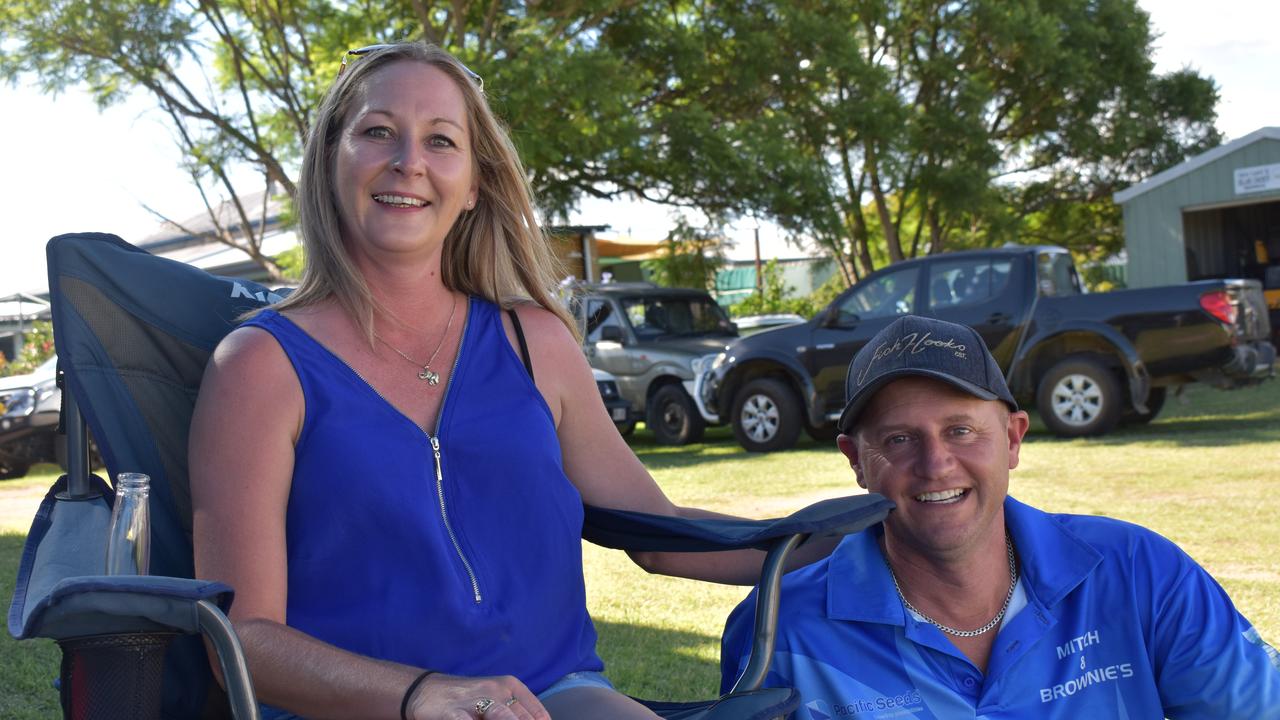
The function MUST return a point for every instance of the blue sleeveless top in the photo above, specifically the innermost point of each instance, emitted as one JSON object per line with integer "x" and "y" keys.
{"x": 459, "y": 552}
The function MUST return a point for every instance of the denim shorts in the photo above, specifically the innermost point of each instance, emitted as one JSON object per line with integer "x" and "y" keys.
{"x": 585, "y": 678}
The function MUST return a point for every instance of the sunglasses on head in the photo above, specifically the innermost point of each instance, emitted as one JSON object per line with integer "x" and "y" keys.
{"x": 361, "y": 52}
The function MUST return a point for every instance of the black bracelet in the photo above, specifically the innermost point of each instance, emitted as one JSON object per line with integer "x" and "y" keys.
{"x": 404, "y": 704}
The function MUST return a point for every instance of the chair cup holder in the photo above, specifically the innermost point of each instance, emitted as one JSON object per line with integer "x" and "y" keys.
{"x": 105, "y": 677}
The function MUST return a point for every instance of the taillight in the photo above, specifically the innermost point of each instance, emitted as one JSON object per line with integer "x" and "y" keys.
{"x": 1218, "y": 304}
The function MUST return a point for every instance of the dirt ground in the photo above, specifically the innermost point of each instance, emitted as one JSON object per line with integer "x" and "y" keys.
{"x": 19, "y": 500}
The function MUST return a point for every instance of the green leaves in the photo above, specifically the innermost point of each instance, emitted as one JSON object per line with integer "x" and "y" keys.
{"x": 879, "y": 129}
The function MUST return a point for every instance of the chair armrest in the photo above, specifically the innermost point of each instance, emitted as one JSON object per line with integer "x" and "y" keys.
{"x": 645, "y": 532}
{"x": 57, "y": 597}
{"x": 111, "y": 604}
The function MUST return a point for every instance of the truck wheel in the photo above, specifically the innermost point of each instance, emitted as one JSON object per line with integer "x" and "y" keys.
{"x": 1155, "y": 401}
{"x": 627, "y": 428}
{"x": 13, "y": 469}
{"x": 673, "y": 418}
{"x": 1079, "y": 396}
{"x": 766, "y": 416}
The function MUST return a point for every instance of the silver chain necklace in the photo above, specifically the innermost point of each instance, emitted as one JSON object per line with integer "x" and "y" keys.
{"x": 1013, "y": 582}
{"x": 426, "y": 373}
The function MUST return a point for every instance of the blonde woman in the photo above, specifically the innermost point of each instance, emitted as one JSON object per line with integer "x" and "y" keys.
{"x": 390, "y": 465}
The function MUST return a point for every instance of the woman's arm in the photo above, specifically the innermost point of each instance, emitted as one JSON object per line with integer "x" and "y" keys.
{"x": 246, "y": 422}
{"x": 606, "y": 471}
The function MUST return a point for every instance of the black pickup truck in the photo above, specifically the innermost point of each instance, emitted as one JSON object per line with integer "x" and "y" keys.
{"x": 1086, "y": 362}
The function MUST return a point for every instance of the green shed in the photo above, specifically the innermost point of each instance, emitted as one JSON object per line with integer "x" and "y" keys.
{"x": 1216, "y": 215}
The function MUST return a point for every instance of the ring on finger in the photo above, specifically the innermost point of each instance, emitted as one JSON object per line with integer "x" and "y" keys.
{"x": 510, "y": 702}
{"x": 482, "y": 706}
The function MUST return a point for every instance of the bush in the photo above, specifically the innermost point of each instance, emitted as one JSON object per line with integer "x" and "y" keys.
{"x": 36, "y": 348}
{"x": 774, "y": 297}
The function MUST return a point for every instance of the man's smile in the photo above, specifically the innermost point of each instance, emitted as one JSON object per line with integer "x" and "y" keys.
{"x": 942, "y": 497}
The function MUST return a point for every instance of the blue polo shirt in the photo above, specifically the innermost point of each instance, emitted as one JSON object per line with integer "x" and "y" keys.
{"x": 1118, "y": 623}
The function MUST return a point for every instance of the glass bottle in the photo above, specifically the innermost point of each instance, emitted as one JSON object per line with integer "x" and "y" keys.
{"x": 129, "y": 541}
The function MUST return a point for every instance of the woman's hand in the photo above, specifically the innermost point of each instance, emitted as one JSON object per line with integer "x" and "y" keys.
{"x": 450, "y": 697}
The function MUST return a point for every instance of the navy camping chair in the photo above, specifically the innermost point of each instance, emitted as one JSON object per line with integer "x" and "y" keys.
{"x": 133, "y": 334}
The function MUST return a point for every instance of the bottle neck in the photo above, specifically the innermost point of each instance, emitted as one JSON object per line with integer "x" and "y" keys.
{"x": 135, "y": 483}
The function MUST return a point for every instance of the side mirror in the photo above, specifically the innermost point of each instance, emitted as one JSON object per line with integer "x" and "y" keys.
{"x": 835, "y": 318}
{"x": 611, "y": 333}
{"x": 733, "y": 328}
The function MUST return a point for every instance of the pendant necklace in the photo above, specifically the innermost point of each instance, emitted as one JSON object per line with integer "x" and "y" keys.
{"x": 1013, "y": 582}
{"x": 426, "y": 373}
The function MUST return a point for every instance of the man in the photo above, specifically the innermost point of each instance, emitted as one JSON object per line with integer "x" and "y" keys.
{"x": 966, "y": 603}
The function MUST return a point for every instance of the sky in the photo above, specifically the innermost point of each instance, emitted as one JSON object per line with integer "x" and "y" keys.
{"x": 68, "y": 167}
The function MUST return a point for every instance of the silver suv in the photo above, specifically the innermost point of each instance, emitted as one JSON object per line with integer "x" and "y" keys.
{"x": 29, "y": 407}
{"x": 651, "y": 338}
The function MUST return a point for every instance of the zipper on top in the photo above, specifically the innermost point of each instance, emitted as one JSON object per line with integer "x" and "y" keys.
{"x": 435, "y": 451}
{"x": 435, "y": 447}
{"x": 444, "y": 516}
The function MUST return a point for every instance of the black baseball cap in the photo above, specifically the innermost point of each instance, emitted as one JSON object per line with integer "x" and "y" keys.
{"x": 927, "y": 347}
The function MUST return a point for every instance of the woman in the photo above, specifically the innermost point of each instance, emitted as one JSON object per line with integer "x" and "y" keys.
{"x": 389, "y": 465}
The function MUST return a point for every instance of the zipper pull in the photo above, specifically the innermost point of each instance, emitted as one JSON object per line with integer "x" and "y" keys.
{"x": 435, "y": 450}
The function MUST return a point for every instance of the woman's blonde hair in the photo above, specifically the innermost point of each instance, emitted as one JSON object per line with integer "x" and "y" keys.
{"x": 496, "y": 251}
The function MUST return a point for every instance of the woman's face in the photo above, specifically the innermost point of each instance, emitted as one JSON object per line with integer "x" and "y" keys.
{"x": 403, "y": 171}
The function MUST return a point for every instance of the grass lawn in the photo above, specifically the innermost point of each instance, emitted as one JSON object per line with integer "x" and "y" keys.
{"x": 1202, "y": 475}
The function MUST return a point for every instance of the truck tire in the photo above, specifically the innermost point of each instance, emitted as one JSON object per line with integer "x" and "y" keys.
{"x": 673, "y": 418}
{"x": 1079, "y": 396}
{"x": 13, "y": 469}
{"x": 1155, "y": 401}
{"x": 627, "y": 429}
{"x": 766, "y": 416}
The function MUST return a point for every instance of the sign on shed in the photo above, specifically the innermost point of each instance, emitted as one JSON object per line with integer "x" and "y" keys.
{"x": 1259, "y": 178}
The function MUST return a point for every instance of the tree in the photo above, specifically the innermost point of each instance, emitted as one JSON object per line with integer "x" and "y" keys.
{"x": 884, "y": 129}
{"x": 690, "y": 257}
{"x": 880, "y": 129}
{"x": 238, "y": 80}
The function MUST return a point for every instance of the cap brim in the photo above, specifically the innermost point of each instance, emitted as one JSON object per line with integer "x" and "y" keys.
{"x": 860, "y": 399}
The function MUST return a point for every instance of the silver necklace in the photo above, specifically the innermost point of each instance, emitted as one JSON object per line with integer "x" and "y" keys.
{"x": 1013, "y": 582}
{"x": 426, "y": 373}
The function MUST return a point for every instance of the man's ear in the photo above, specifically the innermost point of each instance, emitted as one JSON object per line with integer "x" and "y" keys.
{"x": 1019, "y": 423}
{"x": 849, "y": 446}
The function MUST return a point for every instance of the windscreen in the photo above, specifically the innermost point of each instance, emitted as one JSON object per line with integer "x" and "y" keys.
{"x": 653, "y": 317}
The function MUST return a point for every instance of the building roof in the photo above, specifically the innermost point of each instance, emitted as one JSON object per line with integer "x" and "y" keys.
{"x": 1195, "y": 163}
{"x": 199, "y": 227}
{"x": 24, "y": 306}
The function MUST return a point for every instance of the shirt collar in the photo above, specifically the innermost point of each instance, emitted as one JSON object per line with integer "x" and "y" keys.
{"x": 1053, "y": 562}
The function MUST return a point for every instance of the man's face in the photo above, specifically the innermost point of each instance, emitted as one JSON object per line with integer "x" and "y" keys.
{"x": 943, "y": 456}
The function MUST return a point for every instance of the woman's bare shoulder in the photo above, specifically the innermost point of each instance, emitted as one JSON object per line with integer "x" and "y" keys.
{"x": 252, "y": 359}
{"x": 537, "y": 320}
{"x": 246, "y": 349}
{"x": 249, "y": 377}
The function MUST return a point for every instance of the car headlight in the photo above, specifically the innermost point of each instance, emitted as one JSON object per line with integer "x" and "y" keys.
{"x": 608, "y": 389}
{"x": 19, "y": 403}
{"x": 703, "y": 364}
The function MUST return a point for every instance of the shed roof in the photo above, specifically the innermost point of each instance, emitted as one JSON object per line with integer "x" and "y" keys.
{"x": 1195, "y": 163}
